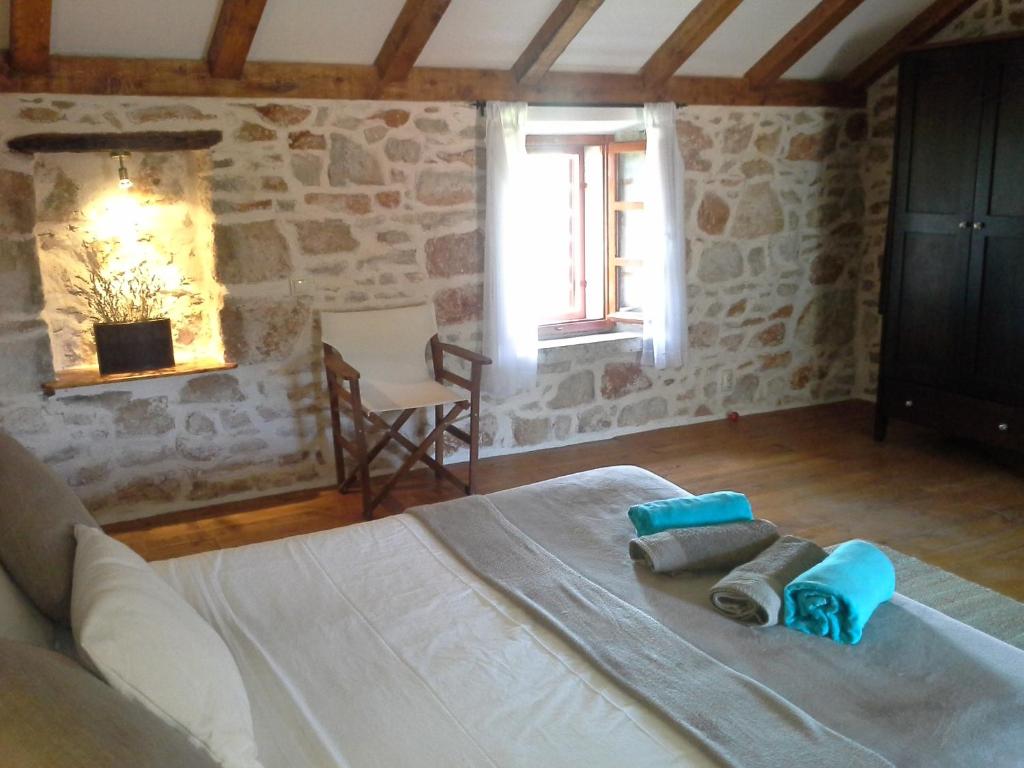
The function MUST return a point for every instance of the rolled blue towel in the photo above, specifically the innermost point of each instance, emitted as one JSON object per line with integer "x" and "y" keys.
{"x": 836, "y": 597}
{"x": 687, "y": 512}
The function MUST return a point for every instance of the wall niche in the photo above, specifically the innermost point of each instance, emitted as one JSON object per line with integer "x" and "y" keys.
{"x": 159, "y": 229}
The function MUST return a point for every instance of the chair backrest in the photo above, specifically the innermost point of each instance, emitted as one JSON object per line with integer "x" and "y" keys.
{"x": 383, "y": 344}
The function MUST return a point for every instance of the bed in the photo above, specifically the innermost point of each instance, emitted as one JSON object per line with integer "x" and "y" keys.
{"x": 396, "y": 643}
{"x": 375, "y": 645}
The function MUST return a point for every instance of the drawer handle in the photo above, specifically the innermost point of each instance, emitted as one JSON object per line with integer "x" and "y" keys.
{"x": 909, "y": 404}
{"x": 978, "y": 225}
{"x": 964, "y": 224}
{"x": 1004, "y": 427}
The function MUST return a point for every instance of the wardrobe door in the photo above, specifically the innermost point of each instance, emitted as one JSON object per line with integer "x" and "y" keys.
{"x": 994, "y": 363}
{"x": 937, "y": 151}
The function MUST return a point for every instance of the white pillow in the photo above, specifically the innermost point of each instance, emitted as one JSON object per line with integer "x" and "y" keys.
{"x": 19, "y": 618}
{"x": 152, "y": 646}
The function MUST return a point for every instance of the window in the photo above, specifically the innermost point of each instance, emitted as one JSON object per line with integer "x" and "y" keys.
{"x": 586, "y": 201}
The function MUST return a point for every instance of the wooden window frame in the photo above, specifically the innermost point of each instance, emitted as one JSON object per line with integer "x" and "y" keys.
{"x": 572, "y": 144}
{"x": 578, "y": 143}
{"x": 614, "y": 206}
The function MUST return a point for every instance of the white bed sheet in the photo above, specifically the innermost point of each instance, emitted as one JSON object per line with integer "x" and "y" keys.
{"x": 371, "y": 645}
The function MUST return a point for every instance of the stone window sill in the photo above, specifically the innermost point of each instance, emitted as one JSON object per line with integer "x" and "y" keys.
{"x": 90, "y": 377}
{"x": 593, "y": 338}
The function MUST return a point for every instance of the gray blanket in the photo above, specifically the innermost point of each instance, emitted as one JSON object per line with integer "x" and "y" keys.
{"x": 920, "y": 689}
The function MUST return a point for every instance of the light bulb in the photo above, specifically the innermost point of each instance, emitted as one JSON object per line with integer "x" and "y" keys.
{"x": 122, "y": 173}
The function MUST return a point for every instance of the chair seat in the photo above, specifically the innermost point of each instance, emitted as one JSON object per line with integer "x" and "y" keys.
{"x": 381, "y": 396}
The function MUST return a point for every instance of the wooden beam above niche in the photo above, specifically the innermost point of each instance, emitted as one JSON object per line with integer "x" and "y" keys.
{"x": 142, "y": 141}
{"x": 263, "y": 80}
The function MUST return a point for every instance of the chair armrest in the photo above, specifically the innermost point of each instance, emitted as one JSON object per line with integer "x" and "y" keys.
{"x": 465, "y": 354}
{"x": 336, "y": 365}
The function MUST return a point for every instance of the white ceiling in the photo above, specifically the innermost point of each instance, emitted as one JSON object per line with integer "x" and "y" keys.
{"x": 620, "y": 37}
{"x": 749, "y": 32}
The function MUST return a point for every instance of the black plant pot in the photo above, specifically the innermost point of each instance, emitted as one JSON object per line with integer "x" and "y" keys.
{"x": 134, "y": 347}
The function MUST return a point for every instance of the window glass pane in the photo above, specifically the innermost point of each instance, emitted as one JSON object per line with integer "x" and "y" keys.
{"x": 628, "y": 167}
{"x": 556, "y": 234}
{"x": 629, "y": 289}
{"x": 628, "y": 234}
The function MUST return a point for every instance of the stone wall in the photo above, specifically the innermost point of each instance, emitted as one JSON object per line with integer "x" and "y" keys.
{"x": 986, "y": 17}
{"x": 374, "y": 204}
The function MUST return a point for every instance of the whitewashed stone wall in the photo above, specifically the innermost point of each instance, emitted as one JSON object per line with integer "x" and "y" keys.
{"x": 986, "y": 17}
{"x": 375, "y": 204}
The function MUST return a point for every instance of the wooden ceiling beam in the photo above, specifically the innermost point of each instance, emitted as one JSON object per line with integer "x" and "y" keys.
{"x": 263, "y": 80}
{"x": 554, "y": 36}
{"x": 690, "y": 35}
{"x": 808, "y": 32}
{"x": 233, "y": 35}
{"x": 923, "y": 27}
{"x": 408, "y": 37}
{"x": 30, "y": 35}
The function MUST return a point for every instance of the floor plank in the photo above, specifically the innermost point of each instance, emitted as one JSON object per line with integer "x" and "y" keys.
{"x": 815, "y": 472}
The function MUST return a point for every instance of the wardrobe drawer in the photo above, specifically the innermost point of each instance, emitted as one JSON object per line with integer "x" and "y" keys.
{"x": 950, "y": 412}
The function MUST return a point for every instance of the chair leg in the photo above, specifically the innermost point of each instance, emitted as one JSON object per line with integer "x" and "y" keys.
{"x": 361, "y": 453}
{"x": 439, "y": 442}
{"x": 474, "y": 426}
{"x": 339, "y": 451}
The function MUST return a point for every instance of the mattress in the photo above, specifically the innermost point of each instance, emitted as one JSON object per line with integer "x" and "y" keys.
{"x": 371, "y": 645}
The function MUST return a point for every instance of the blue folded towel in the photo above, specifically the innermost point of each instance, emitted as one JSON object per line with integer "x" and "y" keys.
{"x": 836, "y": 597}
{"x": 709, "y": 509}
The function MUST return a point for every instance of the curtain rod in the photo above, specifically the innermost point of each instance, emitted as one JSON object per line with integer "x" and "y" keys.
{"x": 481, "y": 104}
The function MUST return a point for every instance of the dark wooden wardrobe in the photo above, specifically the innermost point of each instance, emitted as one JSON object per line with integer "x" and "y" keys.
{"x": 953, "y": 285}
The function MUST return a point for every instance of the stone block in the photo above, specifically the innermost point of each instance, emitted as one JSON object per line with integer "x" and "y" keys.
{"x": 403, "y": 150}
{"x": 250, "y": 253}
{"x": 442, "y": 188}
{"x": 638, "y": 414}
{"x": 21, "y": 285}
{"x": 259, "y": 330}
{"x": 163, "y": 112}
{"x": 828, "y": 319}
{"x": 326, "y": 236}
{"x": 212, "y": 388}
{"x": 720, "y": 262}
{"x": 254, "y": 132}
{"x": 352, "y": 163}
{"x": 17, "y": 203}
{"x": 621, "y": 379}
{"x": 713, "y": 214}
{"x": 597, "y": 418}
{"x": 25, "y": 360}
{"x": 459, "y": 305}
{"x": 306, "y": 140}
{"x": 451, "y": 255}
{"x": 527, "y": 431}
{"x": 758, "y": 213}
{"x": 283, "y": 114}
{"x": 575, "y": 389}
{"x": 393, "y": 118}
{"x": 144, "y": 416}
{"x": 308, "y": 169}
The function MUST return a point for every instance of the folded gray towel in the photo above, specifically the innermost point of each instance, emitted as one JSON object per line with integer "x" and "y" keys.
{"x": 752, "y": 593}
{"x": 705, "y": 547}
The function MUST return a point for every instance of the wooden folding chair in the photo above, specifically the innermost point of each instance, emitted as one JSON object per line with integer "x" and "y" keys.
{"x": 380, "y": 355}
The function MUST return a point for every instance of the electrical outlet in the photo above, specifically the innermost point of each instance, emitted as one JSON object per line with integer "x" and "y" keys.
{"x": 726, "y": 381}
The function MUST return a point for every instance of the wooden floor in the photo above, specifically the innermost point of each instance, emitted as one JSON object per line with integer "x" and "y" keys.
{"x": 815, "y": 472}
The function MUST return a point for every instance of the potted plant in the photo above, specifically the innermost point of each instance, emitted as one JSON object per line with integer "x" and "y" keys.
{"x": 128, "y": 308}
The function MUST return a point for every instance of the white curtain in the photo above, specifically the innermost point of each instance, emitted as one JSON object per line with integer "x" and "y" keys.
{"x": 510, "y": 318}
{"x": 664, "y": 299}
